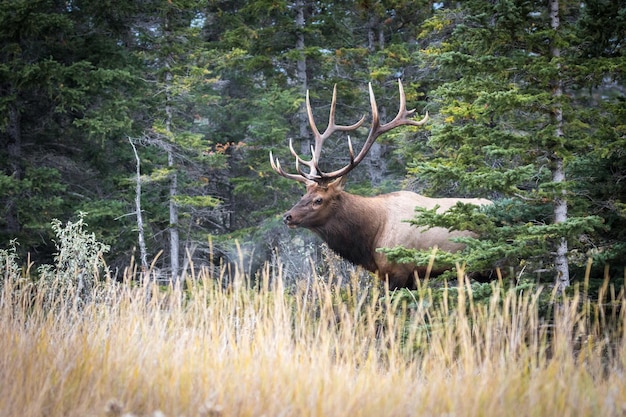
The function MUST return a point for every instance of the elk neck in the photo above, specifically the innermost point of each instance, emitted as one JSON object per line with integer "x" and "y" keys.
{"x": 353, "y": 228}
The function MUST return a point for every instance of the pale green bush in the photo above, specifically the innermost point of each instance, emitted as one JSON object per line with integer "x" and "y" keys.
{"x": 78, "y": 262}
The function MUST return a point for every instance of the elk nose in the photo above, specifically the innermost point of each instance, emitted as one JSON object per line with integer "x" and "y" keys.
{"x": 286, "y": 218}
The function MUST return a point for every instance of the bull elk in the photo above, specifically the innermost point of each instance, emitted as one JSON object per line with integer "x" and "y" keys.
{"x": 354, "y": 226}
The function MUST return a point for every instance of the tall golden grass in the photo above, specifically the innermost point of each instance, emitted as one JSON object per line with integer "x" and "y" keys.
{"x": 258, "y": 350}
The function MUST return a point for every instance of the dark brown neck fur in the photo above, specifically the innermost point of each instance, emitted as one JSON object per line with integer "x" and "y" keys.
{"x": 352, "y": 230}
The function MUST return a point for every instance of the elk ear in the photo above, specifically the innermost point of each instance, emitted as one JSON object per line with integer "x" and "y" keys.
{"x": 338, "y": 184}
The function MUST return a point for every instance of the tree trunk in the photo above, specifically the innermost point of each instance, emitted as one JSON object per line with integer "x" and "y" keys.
{"x": 558, "y": 170}
{"x": 371, "y": 33}
{"x": 174, "y": 236}
{"x": 14, "y": 151}
{"x": 301, "y": 75}
{"x": 173, "y": 208}
{"x": 171, "y": 164}
{"x": 143, "y": 254}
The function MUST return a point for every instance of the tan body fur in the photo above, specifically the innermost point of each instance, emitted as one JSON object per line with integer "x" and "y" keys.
{"x": 400, "y": 206}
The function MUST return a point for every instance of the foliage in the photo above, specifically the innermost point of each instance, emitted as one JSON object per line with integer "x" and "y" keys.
{"x": 78, "y": 263}
{"x": 9, "y": 264}
{"x": 495, "y": 134}
{"x": 511, "y": 236}
{"x": 67, "y": 97}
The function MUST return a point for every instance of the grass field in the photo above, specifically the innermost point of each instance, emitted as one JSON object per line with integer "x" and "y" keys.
{"x": 312, "y": 351}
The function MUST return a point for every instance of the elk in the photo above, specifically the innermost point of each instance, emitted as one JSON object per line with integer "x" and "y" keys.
{"x": 354, "y": 226}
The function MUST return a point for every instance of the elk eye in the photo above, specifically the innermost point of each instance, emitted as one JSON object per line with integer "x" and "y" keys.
{"x": 318, "y": 201}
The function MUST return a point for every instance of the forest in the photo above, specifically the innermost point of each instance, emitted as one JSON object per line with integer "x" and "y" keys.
{"x": 152, "y": 122}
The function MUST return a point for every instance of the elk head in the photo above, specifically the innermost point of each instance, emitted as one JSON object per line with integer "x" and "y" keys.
{"x": 323, "y": 198}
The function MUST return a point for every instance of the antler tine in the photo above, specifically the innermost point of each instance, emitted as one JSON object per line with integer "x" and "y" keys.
{"x": 350, "y": 150}
{"x": 279, "y": 170}
{"x": 375, "y": 119}
{"x": 309, "y": 112}
{"x": 403, "y": 114}
{"x": 332, "y": 127}
{"x": 312, "y": 164}
{"x": 295, "y": 154}
{"x": 319, "y": 138}
{"x": 315, "y": 161}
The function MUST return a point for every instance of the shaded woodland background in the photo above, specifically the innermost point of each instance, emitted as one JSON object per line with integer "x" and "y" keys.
{"x": 526, "y": 109}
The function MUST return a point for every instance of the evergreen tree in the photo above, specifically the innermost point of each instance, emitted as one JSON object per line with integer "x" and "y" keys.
{"x": 514, "y": 125}
{"x": 63, "y": 77}
{"x": 176, "y": 71}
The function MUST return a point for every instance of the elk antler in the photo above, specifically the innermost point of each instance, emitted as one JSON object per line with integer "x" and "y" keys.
{"x": 377, "y": 129}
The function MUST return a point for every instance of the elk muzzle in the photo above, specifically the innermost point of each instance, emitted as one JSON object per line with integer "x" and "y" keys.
{"x": 288, "y": 220}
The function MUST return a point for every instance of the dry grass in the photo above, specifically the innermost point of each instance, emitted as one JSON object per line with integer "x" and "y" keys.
{"x": 209, "y": 351}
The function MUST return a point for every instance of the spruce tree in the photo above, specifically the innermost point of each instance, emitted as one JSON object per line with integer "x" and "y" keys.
{"x": 170, "y": 45}
{"x": 64, "y": 74}
{"x": 512, "y": 125}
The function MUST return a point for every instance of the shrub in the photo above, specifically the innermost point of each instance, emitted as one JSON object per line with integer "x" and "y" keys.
{"x": 78, "y": 262}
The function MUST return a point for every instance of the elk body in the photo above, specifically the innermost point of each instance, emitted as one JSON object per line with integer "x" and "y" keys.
{"x": 354, "y": 226}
